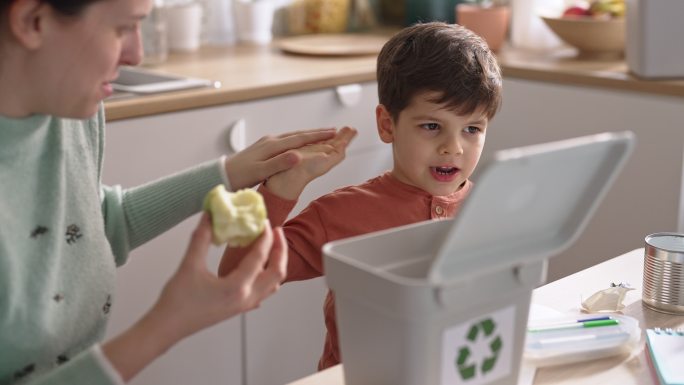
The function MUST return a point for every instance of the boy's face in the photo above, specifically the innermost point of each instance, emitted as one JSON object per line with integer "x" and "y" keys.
{"x": 434, "y": 148}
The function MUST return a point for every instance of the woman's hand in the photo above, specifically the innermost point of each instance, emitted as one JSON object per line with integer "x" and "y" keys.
{"x": 316, "y": 160}
{"x": 195, "y": 298}
{"x": 270, "y": 155}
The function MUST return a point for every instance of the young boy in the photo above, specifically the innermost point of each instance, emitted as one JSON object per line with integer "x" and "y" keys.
{"x": 439, "y": 85}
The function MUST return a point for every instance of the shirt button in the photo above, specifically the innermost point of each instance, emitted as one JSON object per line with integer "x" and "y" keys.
{"x": 439, "y": 210}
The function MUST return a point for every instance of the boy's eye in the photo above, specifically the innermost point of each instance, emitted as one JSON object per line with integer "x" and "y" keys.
{"x": 472, "y": 129}
{"x": 430, "y": 126}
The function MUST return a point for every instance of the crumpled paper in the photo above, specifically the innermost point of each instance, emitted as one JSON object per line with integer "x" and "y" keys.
{"x": 607, "y": 300}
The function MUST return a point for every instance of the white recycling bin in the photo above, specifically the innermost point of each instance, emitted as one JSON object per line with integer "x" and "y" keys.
{"x": 446, "y": 302}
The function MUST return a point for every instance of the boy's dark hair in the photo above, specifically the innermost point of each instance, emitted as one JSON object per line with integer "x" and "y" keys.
{"x": 445, "y": 58}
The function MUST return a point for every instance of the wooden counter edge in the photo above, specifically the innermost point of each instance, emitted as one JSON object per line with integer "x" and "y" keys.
{"x": 553, "y": 67}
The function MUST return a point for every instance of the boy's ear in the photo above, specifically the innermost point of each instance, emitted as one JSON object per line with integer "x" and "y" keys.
{"x": 25, "y": 20}
{"x": 385, "y": 124}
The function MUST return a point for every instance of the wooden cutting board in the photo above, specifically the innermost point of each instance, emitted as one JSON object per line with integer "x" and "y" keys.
{"x": 333, "y": 44}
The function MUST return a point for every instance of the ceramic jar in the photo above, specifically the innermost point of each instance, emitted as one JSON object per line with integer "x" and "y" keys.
{"x": 491, "y": 23}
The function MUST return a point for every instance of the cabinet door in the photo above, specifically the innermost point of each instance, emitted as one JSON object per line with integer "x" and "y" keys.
{"x": 138, "y": 151}
{"x": 284, "y": 336}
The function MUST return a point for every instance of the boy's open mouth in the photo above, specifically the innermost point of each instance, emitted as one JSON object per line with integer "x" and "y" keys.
{"x": 445, "y": 170}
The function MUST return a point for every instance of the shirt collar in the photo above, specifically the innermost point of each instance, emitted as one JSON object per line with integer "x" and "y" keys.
{"x": 407, "y": 190}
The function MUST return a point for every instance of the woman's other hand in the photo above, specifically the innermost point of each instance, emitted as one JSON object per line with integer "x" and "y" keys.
{"x": 270, "y": 155}
{"x": 194, "y": 298}
{"x": 315, "y": 160}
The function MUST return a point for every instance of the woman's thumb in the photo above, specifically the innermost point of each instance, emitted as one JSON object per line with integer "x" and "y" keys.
{"x": 199, "y": 242}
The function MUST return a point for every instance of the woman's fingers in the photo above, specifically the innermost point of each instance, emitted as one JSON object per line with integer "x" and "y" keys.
{"x": 253, "y": 261}
{"x": 276, "y": 269}
{"x": 278, "y": 163}
{"x": 296, "y": 139}
{"x": 260, "y": 272}
{"x": 270, "y": 155}
{"x": 315, "y": 132}
{"x": 195, "y": 255}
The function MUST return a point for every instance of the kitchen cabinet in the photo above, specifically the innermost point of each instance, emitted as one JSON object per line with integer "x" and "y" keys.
{"x": 282, "y": 339}
{"x": 646, "y": 196}
{"x": 138, "y": 151}
{"x": 284, "y": 336}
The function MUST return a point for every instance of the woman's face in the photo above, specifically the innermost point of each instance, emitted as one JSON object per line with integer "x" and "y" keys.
{"x": 80, "y": 55}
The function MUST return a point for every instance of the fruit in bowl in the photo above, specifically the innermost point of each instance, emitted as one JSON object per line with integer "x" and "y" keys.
{"x": 576, "y": 11}
{"x": 597, "y": 9}
{"x": 596, "y": 29}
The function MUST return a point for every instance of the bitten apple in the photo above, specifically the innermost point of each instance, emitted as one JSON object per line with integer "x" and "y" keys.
{"x": 236, "y": 218}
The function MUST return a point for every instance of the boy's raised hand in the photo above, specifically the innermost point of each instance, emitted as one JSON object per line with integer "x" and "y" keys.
{"x": 316, "y": 160}
{"x": 270, "y": 155}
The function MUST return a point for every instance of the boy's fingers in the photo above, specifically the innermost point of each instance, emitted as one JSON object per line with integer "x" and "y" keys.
{"x": 199, "y": 242}
{"x": 343, "y": 138}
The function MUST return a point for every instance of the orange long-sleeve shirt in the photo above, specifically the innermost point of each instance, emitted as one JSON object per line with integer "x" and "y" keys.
{"x": 380, "y": 203}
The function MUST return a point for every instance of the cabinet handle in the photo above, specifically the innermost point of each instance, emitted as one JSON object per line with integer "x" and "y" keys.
{"x": 237, "y": 136}
{"x": 349, "y": 94}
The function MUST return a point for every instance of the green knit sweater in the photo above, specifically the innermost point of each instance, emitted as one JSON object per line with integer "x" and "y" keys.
{"x": 62, "y": 234}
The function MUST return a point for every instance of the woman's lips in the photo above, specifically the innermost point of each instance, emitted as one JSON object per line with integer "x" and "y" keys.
{"x": 444, "y": 173}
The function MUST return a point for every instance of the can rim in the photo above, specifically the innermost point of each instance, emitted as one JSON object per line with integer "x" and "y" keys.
{"x": 663, "y": 234}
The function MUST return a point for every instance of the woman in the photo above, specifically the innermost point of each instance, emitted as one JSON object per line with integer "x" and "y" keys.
{"x": 62, "y": 233}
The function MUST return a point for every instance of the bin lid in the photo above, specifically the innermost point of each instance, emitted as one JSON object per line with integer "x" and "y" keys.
{"x": 529, "y": 204}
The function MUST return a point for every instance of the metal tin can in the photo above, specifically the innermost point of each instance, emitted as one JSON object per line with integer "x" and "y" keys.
{"x": 663, "y": 288}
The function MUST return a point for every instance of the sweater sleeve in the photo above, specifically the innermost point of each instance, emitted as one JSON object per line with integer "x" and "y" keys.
{"x": 306, "y": 234}
{"x": 277, "y": 208}
{"x": 136, "y": 215}
{"x": 89, "y": 367}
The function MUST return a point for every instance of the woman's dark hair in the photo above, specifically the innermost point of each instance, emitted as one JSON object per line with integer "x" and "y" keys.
{"x": 445, "y": 58}
{"x": 65, "y": 7}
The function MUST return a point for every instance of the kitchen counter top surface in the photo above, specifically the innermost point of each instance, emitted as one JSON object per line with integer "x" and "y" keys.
{"x": 256, "y": 72}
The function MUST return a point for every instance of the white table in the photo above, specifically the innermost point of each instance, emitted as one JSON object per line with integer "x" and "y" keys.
{"x": 565, "y": 295}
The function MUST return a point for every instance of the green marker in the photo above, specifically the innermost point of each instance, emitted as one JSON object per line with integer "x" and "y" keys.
{"x": 575, "y": 325}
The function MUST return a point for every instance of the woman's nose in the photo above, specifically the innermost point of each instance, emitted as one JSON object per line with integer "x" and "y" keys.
{"x": 132, "y": 50}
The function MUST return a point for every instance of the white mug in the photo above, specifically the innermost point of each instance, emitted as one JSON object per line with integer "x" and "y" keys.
{"x": 184, "y": 22}
{"x": 254, "y": 20}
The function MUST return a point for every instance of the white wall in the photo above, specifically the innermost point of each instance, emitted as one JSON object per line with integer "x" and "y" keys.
{"x": 645, "y": 197}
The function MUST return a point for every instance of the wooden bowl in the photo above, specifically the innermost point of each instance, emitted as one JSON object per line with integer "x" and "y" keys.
{"x": 594, "y": 38}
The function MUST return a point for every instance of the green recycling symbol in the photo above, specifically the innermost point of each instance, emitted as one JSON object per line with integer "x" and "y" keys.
{"x": 486, "y": 328}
